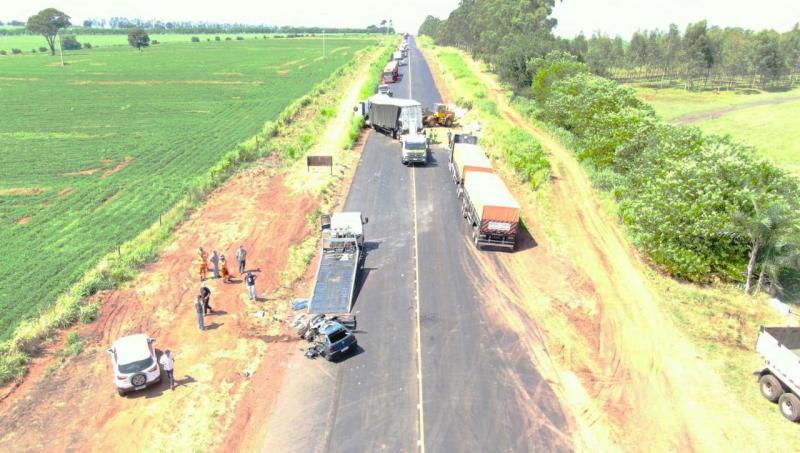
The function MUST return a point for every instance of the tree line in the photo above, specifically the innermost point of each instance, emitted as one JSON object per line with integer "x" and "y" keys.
{"x": 702, "y": 207}
{"x": 511, "y": 33}
{"x": 123, "y": 25}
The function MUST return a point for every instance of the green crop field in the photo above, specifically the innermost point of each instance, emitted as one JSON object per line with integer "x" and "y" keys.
{"x": 767, "y": 121}
{"x": 92, "y": 152}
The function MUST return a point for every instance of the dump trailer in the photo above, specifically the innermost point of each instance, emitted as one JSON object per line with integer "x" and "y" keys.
{"x": 465, "y": 157}
{"x": 779, "y": 378}
{"x": 341, "y": 258}
{"x": 490, "y": 210}
{"x": 392, "y": 116}
{"x": 455, "y": 139}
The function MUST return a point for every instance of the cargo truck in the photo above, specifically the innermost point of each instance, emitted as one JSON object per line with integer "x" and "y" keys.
{"x": 391, "y": 72}
{"x": 414, "y": 149}
{"x": 465, "y": 157}
{"x": 779, "y": 378}
{"x": 392, "y": 116}
{"x": 490, "y": 210}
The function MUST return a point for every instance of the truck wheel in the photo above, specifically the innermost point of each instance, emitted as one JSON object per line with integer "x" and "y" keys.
{"x": 771, "y": 387}
{"x": 790, "y": 406}
{"x": 120, "y": 392}
{"x": 476, "y": 238}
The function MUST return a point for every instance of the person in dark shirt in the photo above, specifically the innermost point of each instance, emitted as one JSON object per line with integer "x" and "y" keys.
{"x": 205, "y": 295}
{"x": 250, "y": 280}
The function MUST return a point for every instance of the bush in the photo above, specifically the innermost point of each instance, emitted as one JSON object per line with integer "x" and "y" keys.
{"x": 3, "y": 52}
{"x": 87, "y": 45}
{"x": 195, "y": 39}
{"x": 43, "y": 49}
{"x": 33, "y": 50}
{"x": 89, "y": 312}
{"x": 70, "y": 43}
{"x": 155, "y": 42}
{"x": 525, "y": 155}
{"x": 239, "y": 38}
{"x": 228, "y": 38}
{"x": 217, "y": 38}
{"x": 16, "y": 51}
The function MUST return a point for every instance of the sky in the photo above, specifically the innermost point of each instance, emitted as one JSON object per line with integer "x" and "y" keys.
{"x": 612, "y": 17}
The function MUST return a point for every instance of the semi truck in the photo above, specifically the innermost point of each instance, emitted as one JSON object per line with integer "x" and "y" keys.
{"x": 391, "y": 72}
{"x": 490, "y": 210}
{"x": 779, "y": 378}
{"x": 465, "y": 157}
{"x": 392, "y": 116}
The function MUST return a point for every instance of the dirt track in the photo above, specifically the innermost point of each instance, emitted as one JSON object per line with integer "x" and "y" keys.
{"x": 715, "y": 114}
{"x": 632, "y": 379}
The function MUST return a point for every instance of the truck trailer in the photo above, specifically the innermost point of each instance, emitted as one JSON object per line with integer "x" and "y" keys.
{"x": 490, "y": 210}
{"x": 779, "y": 378}
{"x": 392, "y": 116}
{"x": 465, "y": 157}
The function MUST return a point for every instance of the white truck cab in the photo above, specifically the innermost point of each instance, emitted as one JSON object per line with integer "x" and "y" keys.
{"x": 414, "y": 149}
{"x": 347, "y": 225}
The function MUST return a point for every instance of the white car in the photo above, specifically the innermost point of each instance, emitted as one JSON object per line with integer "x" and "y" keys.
{"x": 135, "y": 363}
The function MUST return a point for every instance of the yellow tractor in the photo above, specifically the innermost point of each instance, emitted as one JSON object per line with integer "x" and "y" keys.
{"x": 440, "y": 116}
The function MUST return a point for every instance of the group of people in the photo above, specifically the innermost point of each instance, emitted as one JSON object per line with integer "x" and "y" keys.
{"x": 219, "y": 266}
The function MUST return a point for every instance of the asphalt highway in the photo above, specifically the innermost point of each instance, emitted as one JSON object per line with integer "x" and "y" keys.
{"x": 477, "y": 390}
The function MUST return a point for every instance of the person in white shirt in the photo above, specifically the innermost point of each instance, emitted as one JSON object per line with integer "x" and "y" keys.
{"x": 167, "y": 362}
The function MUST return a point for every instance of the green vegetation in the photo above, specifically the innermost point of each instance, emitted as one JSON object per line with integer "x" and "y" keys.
{"x": 504, "y": 140}
{"x": 765, "y": 121}
{"x": 683, "y": 195}
{"x": 111, "y": 146}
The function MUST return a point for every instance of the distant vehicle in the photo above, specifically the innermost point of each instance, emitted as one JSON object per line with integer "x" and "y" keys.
{"x": 135, "y": 364}
{"x": 490, "y": 210}
{"x": 779, "y": 379}
{"x": 403, "y": 61}
{"x": 391, "y": 72}
{"x": 466, "y": 157}
{"x": 392, "y": 116}
{"x": 385, "y": 89}
{"x": 414, "y": 149}
{"x": 398, "y": 55}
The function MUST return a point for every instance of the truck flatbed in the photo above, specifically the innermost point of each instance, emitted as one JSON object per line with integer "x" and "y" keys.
{"x": 336, "y": 277}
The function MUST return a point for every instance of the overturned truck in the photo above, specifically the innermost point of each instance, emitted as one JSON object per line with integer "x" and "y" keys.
{"x": 392, "y": 116}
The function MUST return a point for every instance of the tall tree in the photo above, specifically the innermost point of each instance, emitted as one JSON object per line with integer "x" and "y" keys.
{"x": 47, "y": 23}
{"x": 138, "y": 38}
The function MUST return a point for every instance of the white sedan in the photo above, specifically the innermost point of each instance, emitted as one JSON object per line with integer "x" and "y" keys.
{"x": 135, "y": 363}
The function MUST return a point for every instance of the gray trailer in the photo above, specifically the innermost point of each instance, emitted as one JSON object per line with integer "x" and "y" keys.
{"x": 779, "y": 378}
{"x": 392, "y": 116}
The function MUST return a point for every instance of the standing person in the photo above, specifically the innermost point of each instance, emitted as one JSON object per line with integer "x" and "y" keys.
{"x": 241, "y": 255}
{"x": 167, "y": 362}
{"x": 226, "y": 274}
{"x": 205, "y": 294}
{"x": 215, "y": 263}
{"x": 250, "y": 280}
{"x": 203, "y": 263}
{"x": 198, "y": 307}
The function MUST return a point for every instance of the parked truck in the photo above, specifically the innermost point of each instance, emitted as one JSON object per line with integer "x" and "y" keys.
{"x": 465, "y": 157}
{"x": 779, "y": 378}
{"x": 392, "y": 116}
{"x": 490, "y": 210}
{"x": 327, "y": 322}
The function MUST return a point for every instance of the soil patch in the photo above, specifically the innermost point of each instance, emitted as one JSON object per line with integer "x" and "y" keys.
{"x": 88, "y": 171}
{"x": 17, "y": 191}
{"x": 24, "y": 220}
{"x": 118, "y": 167}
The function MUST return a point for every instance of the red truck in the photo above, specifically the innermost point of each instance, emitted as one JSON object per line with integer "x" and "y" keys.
{"x": 390, "y": 73}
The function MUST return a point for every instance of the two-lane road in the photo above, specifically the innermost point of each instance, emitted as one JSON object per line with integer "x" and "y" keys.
{"x": 479, "y": 391}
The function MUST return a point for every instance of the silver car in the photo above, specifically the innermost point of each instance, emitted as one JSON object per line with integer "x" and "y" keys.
{"x": 135, "y": 364}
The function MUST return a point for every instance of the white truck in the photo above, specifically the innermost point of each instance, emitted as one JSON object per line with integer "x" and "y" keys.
{"x": 392, "y": 116}
{"x": 779, "y": 379}
{"x": 414, "y": 149}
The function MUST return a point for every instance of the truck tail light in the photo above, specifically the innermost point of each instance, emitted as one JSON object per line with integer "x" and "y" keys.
{"x": 155, "y": 367}
{"x": 331, "y": 349}
{"x": 121, "y": 378}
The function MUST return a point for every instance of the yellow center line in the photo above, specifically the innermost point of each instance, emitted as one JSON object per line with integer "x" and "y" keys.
{"x": 420, "y": 410}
